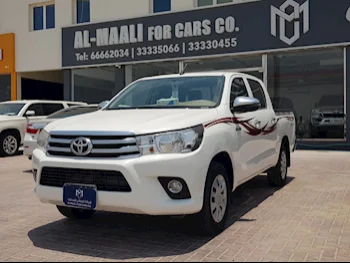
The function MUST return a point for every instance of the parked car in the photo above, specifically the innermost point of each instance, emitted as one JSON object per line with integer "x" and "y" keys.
{"x": 35, "y": 127}
{"x": 328, "y": 116}
{"x": 166, "y": 145}
{"x": 14, "y": 116}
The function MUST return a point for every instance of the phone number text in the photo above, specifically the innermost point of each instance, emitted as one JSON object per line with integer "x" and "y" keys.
{"x": 181, "y": 49}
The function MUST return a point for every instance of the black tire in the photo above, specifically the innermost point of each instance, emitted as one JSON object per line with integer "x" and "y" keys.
{"x": 3, "y": 137}
{"x": 74, "y": 213}
{"x": 278, "y": 175}
{"x": 204, "y": 222}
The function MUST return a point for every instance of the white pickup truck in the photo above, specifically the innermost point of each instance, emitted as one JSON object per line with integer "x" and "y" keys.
{"x": 14, "y": 116}
{"x": 166, "y": 145}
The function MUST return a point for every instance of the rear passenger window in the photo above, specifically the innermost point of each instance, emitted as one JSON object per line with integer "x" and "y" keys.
{"x": 50, "y": 108}
{"x": 37, "y": 108}
{"x": 258, "y": 92}
{"x": 238, "y": 89}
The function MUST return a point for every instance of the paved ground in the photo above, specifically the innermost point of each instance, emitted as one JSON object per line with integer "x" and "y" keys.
{"x": 308, "y": 220}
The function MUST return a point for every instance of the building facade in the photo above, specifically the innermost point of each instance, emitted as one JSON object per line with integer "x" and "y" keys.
{"x": 88, "y": 50}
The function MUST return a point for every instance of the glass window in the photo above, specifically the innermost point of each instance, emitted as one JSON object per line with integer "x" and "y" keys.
{"x": 37, "y": 108}
{"x": 238, "y": 89}
{"x": 72, "y": 111}
{"x": 184, "y": 92}
{"x": 154, "y": 69}
{"x": 38, "y": 18}
{"x": 161, "y": 5}
{"x": 224, "y": 63}
{"x": 83, "y": 11}
{"x": 5, "y": 87}
{"x": 311, "y": 84}
{"x": 43, "y": 16}
{"x": 205, "y": 2}
{"x": 212, "y": 2}
{"x": 50, "y": 16}
{"x": 11, "y": 109}
{"x": 258, "y": 92}
{"x": 94, "y": 85}
{"x": 50, "y": 108}
{"x": 223, "y": 1}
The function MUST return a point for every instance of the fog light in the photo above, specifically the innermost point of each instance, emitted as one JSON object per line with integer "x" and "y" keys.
{"x": 175, "y": 186}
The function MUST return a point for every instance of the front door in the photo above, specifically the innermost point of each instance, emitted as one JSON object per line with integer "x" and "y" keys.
{"x": 246, "y": 138}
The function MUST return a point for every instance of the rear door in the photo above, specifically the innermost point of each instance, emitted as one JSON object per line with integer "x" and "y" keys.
{"x": 265, "y": 123}
{"x": 50, "y": 108}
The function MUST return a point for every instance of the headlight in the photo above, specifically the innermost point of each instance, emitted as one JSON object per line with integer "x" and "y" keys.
{"x": 43, "y": 139}
{"x": 183, "y": 141}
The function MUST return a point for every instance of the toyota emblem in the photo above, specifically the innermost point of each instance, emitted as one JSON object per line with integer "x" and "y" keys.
{"x": 81, "y": 147}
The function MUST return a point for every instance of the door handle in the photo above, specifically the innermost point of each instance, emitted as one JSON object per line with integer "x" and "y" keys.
{"x": 258, "y": 124}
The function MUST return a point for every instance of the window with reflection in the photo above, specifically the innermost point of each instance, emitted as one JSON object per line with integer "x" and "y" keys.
{"x": 94, "y": 85}
{"x": 311, "y": 84}
{"x": 154, "y": 69}
{"x": 224, "y": 63}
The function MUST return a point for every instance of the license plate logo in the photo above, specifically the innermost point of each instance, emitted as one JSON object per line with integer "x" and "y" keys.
{"x": 80, "y": 196}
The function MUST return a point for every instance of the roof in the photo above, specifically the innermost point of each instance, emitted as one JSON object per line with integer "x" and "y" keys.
{"x": 43, "y": 101}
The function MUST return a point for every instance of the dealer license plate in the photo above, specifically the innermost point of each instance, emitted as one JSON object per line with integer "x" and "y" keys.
{"x": 80, "y": 196}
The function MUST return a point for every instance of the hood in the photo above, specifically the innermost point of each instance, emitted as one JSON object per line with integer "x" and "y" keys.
{"x": 136, "y": 121}
{"x": 4, "y": 118}
{"x": 330, "y": 109}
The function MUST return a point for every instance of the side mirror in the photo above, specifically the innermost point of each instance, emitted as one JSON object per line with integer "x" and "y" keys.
{"x": 246, "y": 104}
{"x": 30, "y": 113}
{"x": 103, "y": 104}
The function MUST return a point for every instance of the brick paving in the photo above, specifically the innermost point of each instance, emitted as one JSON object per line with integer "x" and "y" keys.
{"x": 308, "y": 220}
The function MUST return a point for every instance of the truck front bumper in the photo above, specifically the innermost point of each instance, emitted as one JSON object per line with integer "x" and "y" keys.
{"x": 147, "y": 195}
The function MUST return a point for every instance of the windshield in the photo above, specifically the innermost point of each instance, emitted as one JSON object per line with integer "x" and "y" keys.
{"x": 70, "y": 112}
{"x": 327, "y": 101}
{"x": 11, "y": 109}
{"x": 183, "y": 92}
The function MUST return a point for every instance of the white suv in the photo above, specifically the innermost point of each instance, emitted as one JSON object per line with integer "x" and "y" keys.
{"x": 14, "y": 116}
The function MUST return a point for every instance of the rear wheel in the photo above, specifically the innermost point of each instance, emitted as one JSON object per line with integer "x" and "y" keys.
{"x": 9, "y": 144}
{"x": 277, "y": 176}
{"x": 74, "y": 213}
{"x": 212, "y": 219}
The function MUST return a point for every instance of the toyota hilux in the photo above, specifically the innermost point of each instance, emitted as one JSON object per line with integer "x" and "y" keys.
{"x": 166, "y": 145}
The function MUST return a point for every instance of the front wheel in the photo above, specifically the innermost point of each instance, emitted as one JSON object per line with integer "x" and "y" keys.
{"x": 9, "y": 144}
{"x": 74, "y": 213}
{"x": 212, "y": 219}
{"x": 277, "y": 176}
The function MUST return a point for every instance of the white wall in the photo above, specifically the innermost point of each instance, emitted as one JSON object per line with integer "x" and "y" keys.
{"x": 41, "y": 50}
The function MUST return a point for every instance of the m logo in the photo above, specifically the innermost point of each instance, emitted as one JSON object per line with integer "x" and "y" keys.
{"x": 299, "y": 11}
{"x": 79, "y": 193}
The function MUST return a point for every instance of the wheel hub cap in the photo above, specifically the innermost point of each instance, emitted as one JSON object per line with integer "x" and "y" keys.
{"x": 218, "y": 199}
{"x": 10, "y": 145}
{"x": 283, "y": 165}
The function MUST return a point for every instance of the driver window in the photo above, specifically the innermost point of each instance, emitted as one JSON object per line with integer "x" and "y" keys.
{"x": 238, "y": 89}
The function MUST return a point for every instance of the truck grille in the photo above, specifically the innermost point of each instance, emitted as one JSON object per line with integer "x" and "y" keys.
{"x": 104, "y": 145}
{"x": 111, "y": 181}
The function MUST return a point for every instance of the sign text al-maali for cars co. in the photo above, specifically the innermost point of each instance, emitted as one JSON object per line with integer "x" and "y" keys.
{"x": 228, "y": 29}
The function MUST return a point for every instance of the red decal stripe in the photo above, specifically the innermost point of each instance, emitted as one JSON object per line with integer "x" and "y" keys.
{"x": 250, "y": 129}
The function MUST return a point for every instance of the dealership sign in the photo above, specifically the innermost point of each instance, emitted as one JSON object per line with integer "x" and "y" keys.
{"x": 228, "y": 29}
